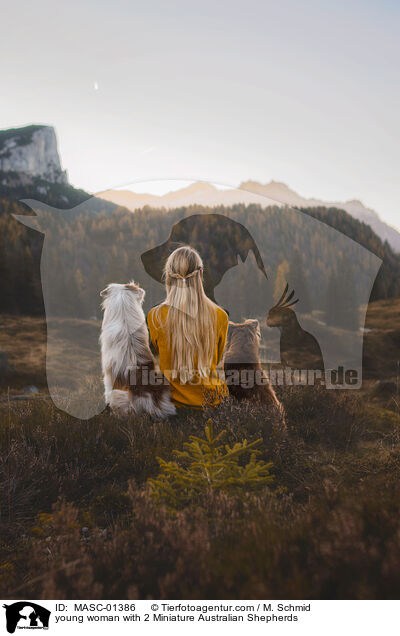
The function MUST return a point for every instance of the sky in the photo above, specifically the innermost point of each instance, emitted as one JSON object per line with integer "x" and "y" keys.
{"x": 305, "y": 92}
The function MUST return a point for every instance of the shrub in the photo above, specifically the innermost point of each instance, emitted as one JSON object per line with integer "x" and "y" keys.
{"x": 206, "y": 465}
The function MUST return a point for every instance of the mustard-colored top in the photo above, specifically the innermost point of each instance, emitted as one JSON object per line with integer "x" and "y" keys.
{"x": 194, "y": 393}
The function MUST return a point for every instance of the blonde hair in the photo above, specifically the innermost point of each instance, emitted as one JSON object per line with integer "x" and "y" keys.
{"x": 191, "y": 321}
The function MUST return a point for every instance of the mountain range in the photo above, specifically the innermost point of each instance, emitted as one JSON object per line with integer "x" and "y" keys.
{"x": 272, "y": 193}
{"x": 30, "y": 166}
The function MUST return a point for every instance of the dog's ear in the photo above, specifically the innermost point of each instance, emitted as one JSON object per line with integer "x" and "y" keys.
{"x": 134, "y": 287}
{"x": 141, "y": 294}
{"x": 104, "y": 292}
{"x": 231, "y": 328}
{"x": 254, "y": 325}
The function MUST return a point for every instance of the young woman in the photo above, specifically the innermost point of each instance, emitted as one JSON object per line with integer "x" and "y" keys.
{"x": 189, "y": 332}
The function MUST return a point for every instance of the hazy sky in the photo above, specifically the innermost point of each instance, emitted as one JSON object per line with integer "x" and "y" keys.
{"x": 305, "y": 92}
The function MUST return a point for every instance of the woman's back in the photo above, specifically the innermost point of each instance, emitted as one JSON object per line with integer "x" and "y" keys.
{"x": 189, "y": 332}
{"x": 202, "y": 386}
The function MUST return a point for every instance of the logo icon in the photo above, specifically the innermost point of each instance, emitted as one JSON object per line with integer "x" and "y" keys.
{"x": 26, "y": 615}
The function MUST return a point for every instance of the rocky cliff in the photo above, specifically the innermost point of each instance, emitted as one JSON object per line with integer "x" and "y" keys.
{"x": 32, "y": 151}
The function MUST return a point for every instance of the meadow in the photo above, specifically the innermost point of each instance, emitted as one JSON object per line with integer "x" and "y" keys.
{"x": 83, "y": 514}
{"x": 79, "y": 518}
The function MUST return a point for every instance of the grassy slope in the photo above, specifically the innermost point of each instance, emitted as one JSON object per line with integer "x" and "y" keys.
{"x": 77, "y": 520}
{"x": 76, "y": 511}
{"x": 382, "y": 345}
{"x": 384, "y": 314}
{"x": 24, "y": 340}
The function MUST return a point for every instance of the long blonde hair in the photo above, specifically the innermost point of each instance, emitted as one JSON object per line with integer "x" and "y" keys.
{"x": 191, "y": 320}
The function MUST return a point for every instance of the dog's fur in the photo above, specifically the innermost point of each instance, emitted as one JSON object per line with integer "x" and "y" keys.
{"x": 242, "y": 353}
{"x": 125, "y": 352}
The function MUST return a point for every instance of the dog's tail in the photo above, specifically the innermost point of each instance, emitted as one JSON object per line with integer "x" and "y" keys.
{"x": 125, "y": 403}
{"x": 161, "y": 407}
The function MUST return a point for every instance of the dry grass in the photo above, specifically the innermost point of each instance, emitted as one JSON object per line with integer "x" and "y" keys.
{"x": 24, "y": 340}
{"x": 77, "y": 519}
{"x": 384, "y": 314}
{"x": 74, "y": 345}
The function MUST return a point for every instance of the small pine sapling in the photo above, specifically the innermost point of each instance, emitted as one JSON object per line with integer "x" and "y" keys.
{"x": 207, "y": 466}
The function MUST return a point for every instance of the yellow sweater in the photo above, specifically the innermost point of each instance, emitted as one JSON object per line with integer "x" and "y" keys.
{"x": 212, "y": 387}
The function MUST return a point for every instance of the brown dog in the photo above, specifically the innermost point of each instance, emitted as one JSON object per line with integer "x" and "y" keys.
{"x": 244, "y": 374}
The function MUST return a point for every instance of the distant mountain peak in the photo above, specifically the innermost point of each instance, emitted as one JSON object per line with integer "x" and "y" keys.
{"x": 274, "y": 192}
{"x": 199, "y": 186}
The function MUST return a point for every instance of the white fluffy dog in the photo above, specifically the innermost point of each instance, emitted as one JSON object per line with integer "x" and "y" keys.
{"x": 126, "y": 356}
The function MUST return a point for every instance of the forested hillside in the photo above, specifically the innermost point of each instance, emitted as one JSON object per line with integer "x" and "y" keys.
{"x": 88, "y": 250}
